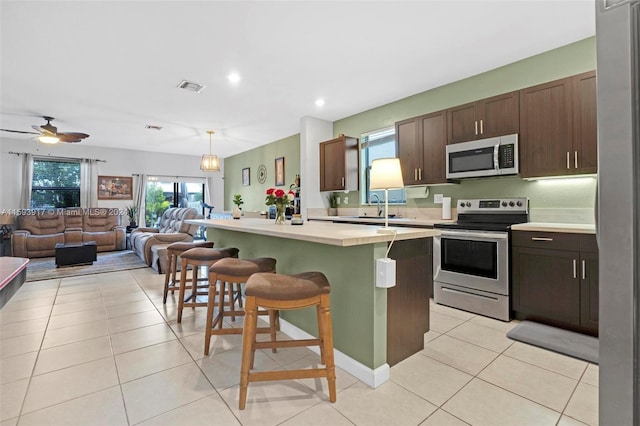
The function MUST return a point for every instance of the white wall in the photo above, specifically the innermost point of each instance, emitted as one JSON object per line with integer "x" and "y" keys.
{"x": 312, "y": 132}
{"x": 119, "y": 162}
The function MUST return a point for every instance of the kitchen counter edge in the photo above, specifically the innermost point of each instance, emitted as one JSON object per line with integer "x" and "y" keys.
{"x": 336, "y": 234}
{"x": 570, "y": 228}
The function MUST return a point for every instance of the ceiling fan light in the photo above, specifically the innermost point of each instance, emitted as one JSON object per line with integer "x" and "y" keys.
{"x": 210, "y": 163}
{"x": 48, "y": 139}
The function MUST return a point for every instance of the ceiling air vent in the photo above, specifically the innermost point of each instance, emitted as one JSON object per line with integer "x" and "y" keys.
{"x": 191, "y": 86}
{"x": 152, "y": 127}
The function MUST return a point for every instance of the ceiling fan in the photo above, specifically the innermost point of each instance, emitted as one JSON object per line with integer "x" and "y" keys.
{"x": 48, "y": 133}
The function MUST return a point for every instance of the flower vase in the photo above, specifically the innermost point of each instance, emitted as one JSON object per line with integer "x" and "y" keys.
{"x": 237, "y": 212}
{"x": 280, "y": 215}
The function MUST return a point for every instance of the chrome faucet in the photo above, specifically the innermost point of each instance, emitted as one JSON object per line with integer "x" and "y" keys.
{"x": 378, "y": 198}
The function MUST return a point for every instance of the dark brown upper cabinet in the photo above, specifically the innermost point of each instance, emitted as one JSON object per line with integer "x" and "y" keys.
{"x": 486, "y": 118}
{"x": 558, "y": 130}
{"x": 339, "y": 164}
{"x": 421, "y": 148}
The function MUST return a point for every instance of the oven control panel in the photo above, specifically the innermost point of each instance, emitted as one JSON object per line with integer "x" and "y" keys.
{"x": 493, "y": 205}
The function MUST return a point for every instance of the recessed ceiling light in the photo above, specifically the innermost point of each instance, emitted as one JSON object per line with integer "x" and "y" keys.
{"x": 191, "y": 86}
{"x": 234, "y": 77}
{"x": 320, "y": 102}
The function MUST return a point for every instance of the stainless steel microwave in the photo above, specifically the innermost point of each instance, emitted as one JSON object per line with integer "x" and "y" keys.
{"x": 484, "y": 157}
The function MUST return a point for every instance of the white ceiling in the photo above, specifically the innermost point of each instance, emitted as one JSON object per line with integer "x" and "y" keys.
{"x": 109, "y": 68}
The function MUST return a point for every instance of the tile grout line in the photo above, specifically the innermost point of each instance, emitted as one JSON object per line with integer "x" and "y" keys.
{"x": 24, "y": 398}
{"x": 190, "y": 356}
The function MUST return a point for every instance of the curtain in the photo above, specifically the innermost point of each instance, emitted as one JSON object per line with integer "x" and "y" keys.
{"x": 88, "y": 183}
{"x": 139, "y": 197}
{"x": 27, "y": 181}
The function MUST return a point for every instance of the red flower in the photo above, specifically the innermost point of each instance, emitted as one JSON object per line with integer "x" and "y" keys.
{"x": 270, "y": 191}
{"x": 279, "y": 193}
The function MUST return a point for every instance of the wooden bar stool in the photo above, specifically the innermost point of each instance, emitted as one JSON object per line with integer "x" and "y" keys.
{"x": 173, "y": 252}
{"x": 278, "y": 292}
{"x": 234, "y": 272}
{"x": 195, "y": 258}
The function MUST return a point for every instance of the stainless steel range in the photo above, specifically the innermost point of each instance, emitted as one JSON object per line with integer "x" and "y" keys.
{"x": 471, "y": 257}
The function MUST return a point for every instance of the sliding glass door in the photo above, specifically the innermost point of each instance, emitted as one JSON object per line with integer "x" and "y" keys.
{"x": 162, "y": 193}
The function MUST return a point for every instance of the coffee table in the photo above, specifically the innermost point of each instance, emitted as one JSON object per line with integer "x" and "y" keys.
{"x": 76, "y": 253}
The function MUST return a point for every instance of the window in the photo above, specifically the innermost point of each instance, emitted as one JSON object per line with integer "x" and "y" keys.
{"x": 56, "y": 184}
{"x": 378, "y": 144}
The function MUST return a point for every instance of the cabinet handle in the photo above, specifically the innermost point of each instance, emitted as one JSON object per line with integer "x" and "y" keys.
{"x": 481, "y": 130}
{"x": 575, "y": 269}
{"x": 415, "y": 174}
{"x": 476, "y": 126}
{"x": 568, "y": 165}
{"x": 541, "y": 239}
{"x": 584, "y": 270}
{"x": 420, "y": 173}
{"x": 575, "y": 158}
{"x": 343, "y": 182}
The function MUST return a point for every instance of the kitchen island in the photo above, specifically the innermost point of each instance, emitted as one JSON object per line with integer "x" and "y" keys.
{"x": 373, "y": 327}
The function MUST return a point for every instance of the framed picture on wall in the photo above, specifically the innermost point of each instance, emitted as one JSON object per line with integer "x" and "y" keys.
{"x": 246, "y": 177}
{"x": 280, "y": 171}
{"x": 115, "y": 188}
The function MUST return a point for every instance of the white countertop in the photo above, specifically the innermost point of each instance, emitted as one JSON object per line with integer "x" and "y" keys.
{"x": 403, "y": 221}
{"x": 336, "y": 234}
{"x": 574, "y": 228}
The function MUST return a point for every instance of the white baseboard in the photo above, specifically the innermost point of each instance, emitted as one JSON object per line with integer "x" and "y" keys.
{"x": 373, "y": 378}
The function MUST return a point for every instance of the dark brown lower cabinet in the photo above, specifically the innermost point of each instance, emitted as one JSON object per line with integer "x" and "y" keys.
{"x": 408, "y": 303}
{"x": 555, "y": 279}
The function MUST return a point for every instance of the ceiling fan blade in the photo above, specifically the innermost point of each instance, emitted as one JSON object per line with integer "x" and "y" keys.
{"x": 72, "y": 137}
{"x": 19, "y": 131}
{"x": 38, "y": 129}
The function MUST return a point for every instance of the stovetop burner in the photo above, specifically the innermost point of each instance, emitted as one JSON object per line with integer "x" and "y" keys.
{"x": 496, "y": 214}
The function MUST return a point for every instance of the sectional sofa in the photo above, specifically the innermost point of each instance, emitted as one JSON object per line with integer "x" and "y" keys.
{"x": 38, "y": 231}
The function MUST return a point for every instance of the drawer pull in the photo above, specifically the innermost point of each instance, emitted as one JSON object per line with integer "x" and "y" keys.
{"x": 575, "y": 268}
{"x": 541, "y": 239}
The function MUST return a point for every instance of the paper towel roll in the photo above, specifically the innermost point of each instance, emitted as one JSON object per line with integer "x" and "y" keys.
{"x": 446, "y": 207}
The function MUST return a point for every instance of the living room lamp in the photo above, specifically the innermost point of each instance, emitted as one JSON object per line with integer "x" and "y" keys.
{"x": 386, "y": 174}
{"x": 209, "y": 162}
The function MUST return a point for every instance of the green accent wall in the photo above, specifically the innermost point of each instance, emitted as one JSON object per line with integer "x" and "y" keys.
{"x": 254, "y": 194}
{"x": 558, "y": 63}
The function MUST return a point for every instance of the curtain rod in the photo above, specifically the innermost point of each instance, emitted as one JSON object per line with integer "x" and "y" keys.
{"x": 56, "y": 157}
{"x": 170, "y": 176}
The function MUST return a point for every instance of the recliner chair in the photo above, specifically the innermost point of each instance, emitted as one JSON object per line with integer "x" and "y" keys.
{"x": 172, "y": 228}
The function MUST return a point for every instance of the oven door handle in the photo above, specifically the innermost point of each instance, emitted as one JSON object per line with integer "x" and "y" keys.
{"x": 476, "y": 235}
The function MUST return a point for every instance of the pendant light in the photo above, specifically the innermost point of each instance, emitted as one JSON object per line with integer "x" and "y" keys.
{"x": 209, "y": 162}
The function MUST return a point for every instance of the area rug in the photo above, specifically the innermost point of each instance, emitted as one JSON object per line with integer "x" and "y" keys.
{"x": 565, "y": 342}
{"x": 45, "y": 268}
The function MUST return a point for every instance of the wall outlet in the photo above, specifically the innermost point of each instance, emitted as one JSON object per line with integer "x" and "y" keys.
{"x": 346, "y": 200}
{"x": 385, "y": 273}
{"x": 337, "y": 200}
{"x": 437, "y": 198}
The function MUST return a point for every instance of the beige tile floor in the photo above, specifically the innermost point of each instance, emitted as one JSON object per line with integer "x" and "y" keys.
{"x": 104, "y": 350}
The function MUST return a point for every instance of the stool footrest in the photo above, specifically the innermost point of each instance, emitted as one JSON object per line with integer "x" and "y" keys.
{"x": 238, "y": 331}
{"x": 309, "y": 373}
{"x": 287, "y": 343}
